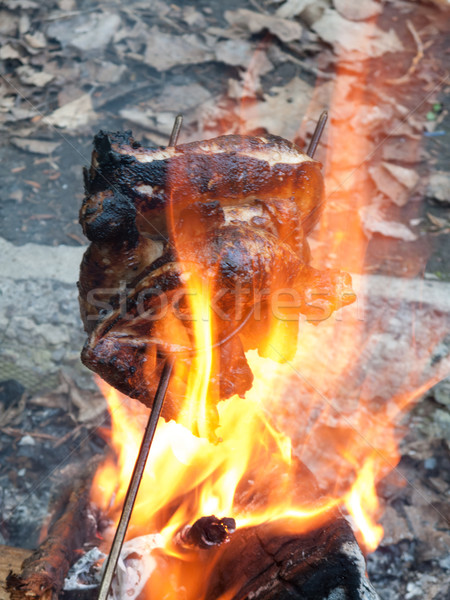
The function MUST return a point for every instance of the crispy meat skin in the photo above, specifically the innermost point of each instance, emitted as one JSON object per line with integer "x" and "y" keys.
{"x": 239, "y": 209}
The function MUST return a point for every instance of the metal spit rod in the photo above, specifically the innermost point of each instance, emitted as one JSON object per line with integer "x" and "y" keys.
{"x": 141, "y": 461}
{"x": 317, "y": 134}
{"x": 135, "y": 481}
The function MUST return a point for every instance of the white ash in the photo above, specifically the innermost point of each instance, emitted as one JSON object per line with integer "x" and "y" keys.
{"x": 85, "y": 574}
{"x": 134, "y": 568}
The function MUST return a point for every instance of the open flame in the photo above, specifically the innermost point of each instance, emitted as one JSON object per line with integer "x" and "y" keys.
{"x": 251, "y": 474}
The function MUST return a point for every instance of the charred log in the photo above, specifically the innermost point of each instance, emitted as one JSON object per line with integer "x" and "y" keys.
{"x": 263, "y": 564}
{"x": 73, "y": 524}
{"x": 207, "y": 532}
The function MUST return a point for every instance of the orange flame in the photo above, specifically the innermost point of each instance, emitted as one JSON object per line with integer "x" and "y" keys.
{"x": 252, "y": 474}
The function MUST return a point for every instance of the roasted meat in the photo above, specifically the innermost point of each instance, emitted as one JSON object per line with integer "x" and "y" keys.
{"x": 235, "y": 209}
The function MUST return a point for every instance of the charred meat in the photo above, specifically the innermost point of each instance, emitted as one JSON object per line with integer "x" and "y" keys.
{"x": 236, "y": 209}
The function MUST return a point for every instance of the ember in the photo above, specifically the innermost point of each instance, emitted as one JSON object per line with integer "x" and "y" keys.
{"x": 207, "y": 532}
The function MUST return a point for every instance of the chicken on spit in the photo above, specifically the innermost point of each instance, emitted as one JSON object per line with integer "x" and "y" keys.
{"x": 235, "y": 209}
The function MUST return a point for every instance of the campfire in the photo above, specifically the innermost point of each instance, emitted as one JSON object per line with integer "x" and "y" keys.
{"x": 192, "y": 294}
{"x": 197, "y": 276}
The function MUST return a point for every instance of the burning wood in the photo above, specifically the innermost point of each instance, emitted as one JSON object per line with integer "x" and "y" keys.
{"x": 263, "y": 563}
{"x": 207, "y": 532}
{"x": 231, "y": 213}
{"x": 73, "y": 524}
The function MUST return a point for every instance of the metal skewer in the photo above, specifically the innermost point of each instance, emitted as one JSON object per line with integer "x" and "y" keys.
{"x": 135, "y": 480}
{"x": 317, "y": 134}
{"x": 175, "y": 130}
{"x": 141, "y": 461}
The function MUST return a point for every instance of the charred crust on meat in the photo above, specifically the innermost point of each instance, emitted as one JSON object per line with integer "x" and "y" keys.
{"x": 113, "y": 219}
{"x": 239, "y": 211}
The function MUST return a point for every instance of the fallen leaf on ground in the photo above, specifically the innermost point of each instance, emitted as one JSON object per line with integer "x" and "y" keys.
{"x": 436, "y": 221}
{"x": 314, "y": 11}
{"x": 88, "y": 407}
{"x": 180, "y": 98}
{"x": 281, "y": 111}
{"x": 439, "y": 187}
{"x": 370, "y": 117}
{"x": 9, "y": 52}
{"x": 30, "y": 76}
{"x": 18, "y": 113}
{"x": 249, "y": 84}
{"x": 237, "y": 53}
{"x": 373, "y": 222}
{"x": 8, "y": 23}
{"x": 403, "y": 149}
{"x": 358, "y": 40}
{"x": 358, "y": 10}
{"x": 292, "y": 8}
{"x": 407, "y": 177}
{"x": 85, "y": 32}
{"x": 193, "y": 17}
{"x": 138, "y": 117}
{"x": 105, "y": 71}
{"x": 165, "y": 50}
{"x": 254, "y": 22}
{"x": 24, "y": 4}
{"x": 394, "y": 181}
{"x": 36, "y": 40}
{"x": 35, "y": 146}
{"x": 74, "y": 114}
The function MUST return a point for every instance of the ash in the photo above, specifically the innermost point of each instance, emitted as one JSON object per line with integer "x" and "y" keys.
{"x": 86, "y": 573}
{"x": 134, "y": 568}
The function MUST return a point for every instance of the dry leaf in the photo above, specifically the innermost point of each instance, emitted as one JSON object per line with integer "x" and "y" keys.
{"x": 23, "y": 4}
{"x": 249, "y": 20}
{"x": 373, "y": 222}
{"x": 30, "y": 76}
{"x": 403, "y": 149}
{"x": 85, "y": 32}
{"x": 237, "y": 53}
{"x": 358, "y": 10}
{"x": 36, "y": 40}
{"x": 105, "y": 71}
{"x": 395, "y": 182}
{"x": 89, "y": 407}
{"x": 165, "y": 50}
{"x": 281, "y": 111}
{"x": 52, "y": 400}
{"x": 74, "y": 114}
{"x": 8, "y": 23}
{"x": 138, "y": 117}
{"x": 314, "y": 11}
{"x": 407, "y": 177}
{"x": 67, "y": 5}
{"x": 193, "y": 17}
{"x": 439, "y": 223}
{"x": 293, "y": 8}
{"x": 9, "y": 52}
{"x": 249, "y": 85}
{"x": 439, "y": 187}
{"x": 180, "y": 98}
{"x": 35, "y": 146}
{"x": 360, "y": 40}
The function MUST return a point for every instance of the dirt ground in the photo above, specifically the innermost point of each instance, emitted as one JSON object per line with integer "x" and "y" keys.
{"x": 71, "y": 67}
